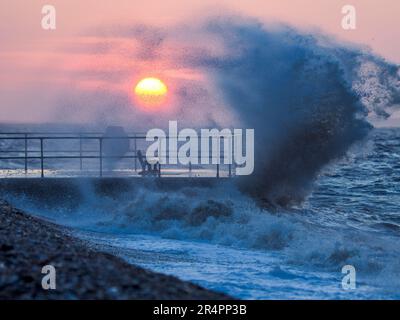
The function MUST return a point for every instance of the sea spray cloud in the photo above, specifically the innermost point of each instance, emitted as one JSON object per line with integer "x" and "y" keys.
{"x": 297, "y": 95}
{"x": 308, "y": 97}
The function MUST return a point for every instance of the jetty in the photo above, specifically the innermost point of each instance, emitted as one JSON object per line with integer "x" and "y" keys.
{"x": 112, "y": 153}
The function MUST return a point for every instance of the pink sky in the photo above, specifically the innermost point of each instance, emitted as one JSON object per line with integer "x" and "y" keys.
{"x": 36, "y": 64}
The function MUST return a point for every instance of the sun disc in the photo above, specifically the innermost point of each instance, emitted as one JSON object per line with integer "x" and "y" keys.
{"x": 151, "y": 91}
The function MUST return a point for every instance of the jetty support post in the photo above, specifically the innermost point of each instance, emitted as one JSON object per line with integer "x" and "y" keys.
{"x": 101, "y": 156}
{"x": 26, "y": 152}
{"x": 135, "y": 151}
{"x": 41, "y": 158}
{"x": 80, "y": 152}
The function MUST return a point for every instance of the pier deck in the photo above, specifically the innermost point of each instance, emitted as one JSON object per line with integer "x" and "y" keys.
{"x": 84, "y": 154}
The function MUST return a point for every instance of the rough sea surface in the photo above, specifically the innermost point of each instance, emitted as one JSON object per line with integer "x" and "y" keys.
{"x": 221, "y": 239}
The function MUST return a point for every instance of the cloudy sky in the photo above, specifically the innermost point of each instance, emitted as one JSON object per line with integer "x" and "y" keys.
{"x": 102, "y": 48}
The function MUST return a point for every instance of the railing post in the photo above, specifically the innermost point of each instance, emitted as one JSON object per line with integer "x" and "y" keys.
{"x": 218, "y": 170}
{"x": 26, "y": 153}
{"x": 41, "y": 158}
{"x": 232, "y": 156}
{"x": 190, "y": 168}
{"x": 167, "y": 149}
{"x": 101, "y": 156}
{"x": 80, "y": 152}
{"x": 135, "y": 151}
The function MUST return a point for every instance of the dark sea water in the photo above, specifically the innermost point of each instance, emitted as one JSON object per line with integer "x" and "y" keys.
{"x": 352, "y": 217}
{"x": 366, "y": 189}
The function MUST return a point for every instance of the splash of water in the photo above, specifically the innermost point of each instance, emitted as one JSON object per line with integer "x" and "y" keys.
{"x": 307, "y": 98}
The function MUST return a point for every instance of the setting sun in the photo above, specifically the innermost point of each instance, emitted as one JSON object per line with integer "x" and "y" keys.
{"x": 151, "y": 91}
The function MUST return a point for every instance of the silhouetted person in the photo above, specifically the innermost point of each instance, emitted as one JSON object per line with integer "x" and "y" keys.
{"x": 147, "y": 168}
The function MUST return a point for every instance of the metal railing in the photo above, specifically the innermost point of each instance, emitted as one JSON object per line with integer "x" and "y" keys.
{"x": 41, "y": 154}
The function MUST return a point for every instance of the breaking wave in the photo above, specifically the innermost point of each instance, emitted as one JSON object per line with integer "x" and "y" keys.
{"x": 306, "y": 96}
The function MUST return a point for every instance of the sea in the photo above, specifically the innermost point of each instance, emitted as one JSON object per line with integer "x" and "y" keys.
{"x": 349, "y": 221}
